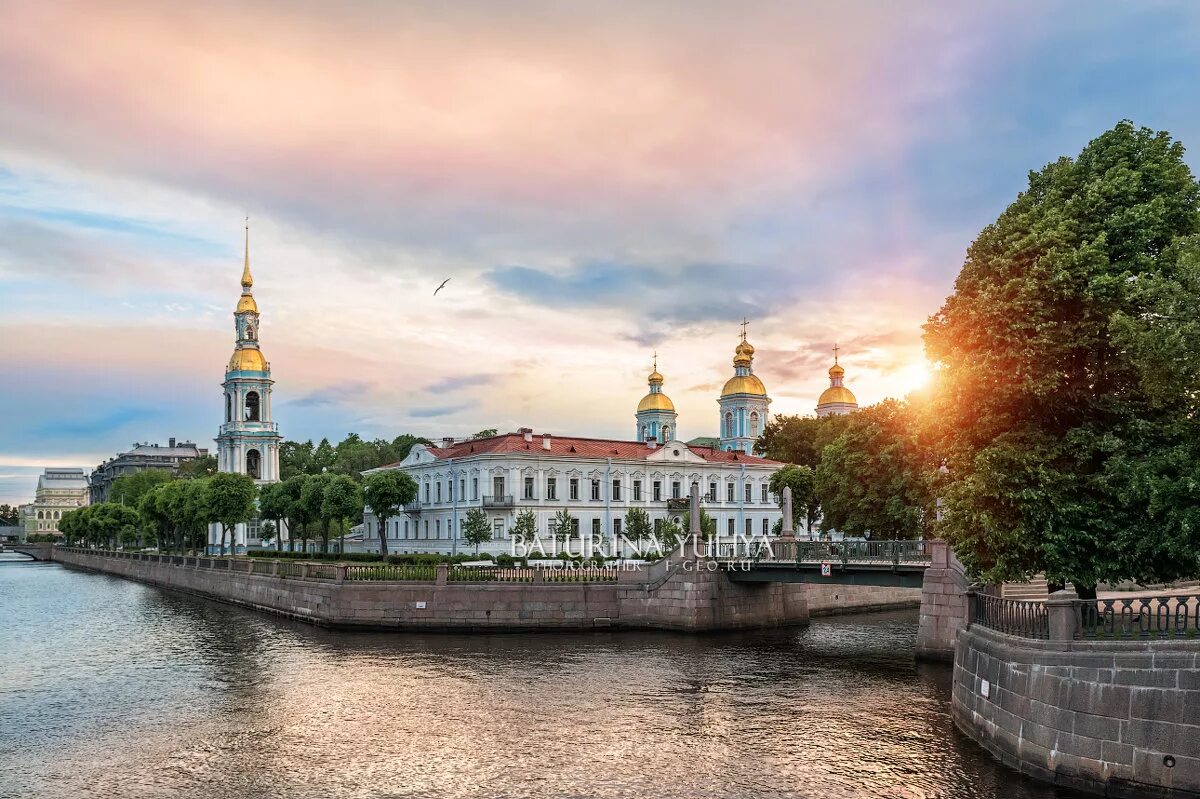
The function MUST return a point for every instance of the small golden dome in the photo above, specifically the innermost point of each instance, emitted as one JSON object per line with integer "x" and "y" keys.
{"x": 655, "y": 377}
{"x": 247, "y": 303}
{"x": 247, "y": 360}
{"x": 744, "y": 384}
{"x": 745, "y": 347}
{"x": 836, "y": 394}
{"x": 656, "y": 401}
{"x": 836, "y": 371}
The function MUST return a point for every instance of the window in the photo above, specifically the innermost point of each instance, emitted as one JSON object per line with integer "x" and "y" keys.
{"x": 676, "y": 487}
{"x": 731, "y": 528}
{"x": 712, "y": 492}
{"x": 616, "y": 528}
{"x": 729, "y": 489}
{"x": 497, "y": 529}
{"x": 252, "y": 407}
{"x": 763, "y": 490}
{"x": 642, "y": 433}
{"x": 406, "y": 528}
{"x": 749, "y": 492}
{"x": 427, "y": 496}
{"x": 254, "y": 464}
{"x": 439, "y": 490}
{"x": 574, "y": 488}
{"x": 462, "y": 488}
{"x": 552, "y": 488}
{"x": 637, "y": 490}
{"x": 754, "y": 423}
{"x": 729, "y": 425}
{"x": 229, "y": 407}
{"x": 497, "y": 487}
{"x": 666, "y": 432}
{"x": 766, "y": 528}
{"x": 749, "y": 529}
{"x": 657, "y": 491}
{"x": 474, "y": 488}
{"x": 595, "y": 491}
{"x": 437, "y": 528}
{"x": 426, "y": 529}
{"x": 528, "y": 488}
{"x": 616, "y": 491}
{"x": 595, "y": 527}
{"x": 450, "y": 488}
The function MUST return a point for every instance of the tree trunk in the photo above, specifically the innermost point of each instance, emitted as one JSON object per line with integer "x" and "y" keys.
{"x": 224, "y": 529}
{"x": 325, "y": 537}
{"x": 383, "y": 550}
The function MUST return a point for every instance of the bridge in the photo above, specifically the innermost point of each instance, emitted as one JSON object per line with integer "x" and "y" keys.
{"x": 899, "y": 564}
{"x": 36, "y": 551}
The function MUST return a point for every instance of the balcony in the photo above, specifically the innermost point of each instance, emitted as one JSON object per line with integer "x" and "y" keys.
{"x": 498, "y": 501}
{"x": 680, "y": 504}
{"x": 413, "y": 507}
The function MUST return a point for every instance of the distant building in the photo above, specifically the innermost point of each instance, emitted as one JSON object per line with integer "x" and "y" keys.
{"x": 837, "y": 399}
{"x": 142, "y": 457}
{"x": 58, "y": 491}
{"x": 596, "y": 480}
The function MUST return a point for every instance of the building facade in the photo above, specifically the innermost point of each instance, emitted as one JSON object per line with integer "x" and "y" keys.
{"x": 58, "y": 491}
{"x": 837, "y": 399}
{"x": 596, "y": 480}
{"x": 139, "y": 459}
{"x": 248, "y": 440}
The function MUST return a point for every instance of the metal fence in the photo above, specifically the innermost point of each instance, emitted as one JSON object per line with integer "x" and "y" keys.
{"x": 392, "y": 571}
{"x": 1139, "y": 617}
{"x": 1027, "y": 619}
{"x": 774, "y": 551}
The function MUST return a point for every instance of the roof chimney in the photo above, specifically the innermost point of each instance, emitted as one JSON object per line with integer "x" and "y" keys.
{"x": 172, "y": 442}
{"x": 528, "y": 433}
{"x": 651, "y": 442}
{"x": 546, "y": 441}
{"x": 447, "y": 441}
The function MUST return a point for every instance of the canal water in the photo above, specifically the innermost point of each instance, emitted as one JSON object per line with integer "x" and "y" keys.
{"x": 111, "y": 688}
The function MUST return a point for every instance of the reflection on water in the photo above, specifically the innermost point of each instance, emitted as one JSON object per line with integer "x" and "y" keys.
{"x": 111, "y": 688}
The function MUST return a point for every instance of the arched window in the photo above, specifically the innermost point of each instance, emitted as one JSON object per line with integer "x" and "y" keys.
{"x": 254, "y": 464}
{"x": 252, "y": 409}
{"x": 56, "y": 514}
{"x": 666, "y": 432}
{"x": 40, "y": 515}
{"x": 642, "y": 435}
{"x": 754, "y": 423}
{"x": 729, "y": 425}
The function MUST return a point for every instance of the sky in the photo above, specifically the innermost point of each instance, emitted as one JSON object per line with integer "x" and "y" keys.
{"x": 599, "y": 181}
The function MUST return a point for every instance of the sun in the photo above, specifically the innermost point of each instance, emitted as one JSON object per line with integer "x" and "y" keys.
{"x": 912, "y": 377}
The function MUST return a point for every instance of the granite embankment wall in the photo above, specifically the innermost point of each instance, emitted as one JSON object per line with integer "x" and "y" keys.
{"x": 831, "y": 600}
{"x": 1115, "y": 718}
{"x": 673, "y": 594}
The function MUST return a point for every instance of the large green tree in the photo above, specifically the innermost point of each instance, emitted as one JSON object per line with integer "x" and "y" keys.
{"x": 128, "y": 489}
{"x": 386, "y": 493}
{"x": 203, "y": 466}
{"x": 1067, "y": 403}
{"x": 803, "y": 482}
{"x": 229, "y": 501}
{"x": 275, "y": 503}
{"x": 341, "y": 499}
{"x": 878, "y": 476}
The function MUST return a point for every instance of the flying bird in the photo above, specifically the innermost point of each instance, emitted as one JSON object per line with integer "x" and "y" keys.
{"x": 439, "y": 288}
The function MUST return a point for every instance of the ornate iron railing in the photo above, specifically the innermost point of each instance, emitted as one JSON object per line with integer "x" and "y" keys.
{"x": 392, "y": 571}
{"x": 844, "y": 552}
{"x": 1024, "y": 618}
{"x": 1175, "y": 616}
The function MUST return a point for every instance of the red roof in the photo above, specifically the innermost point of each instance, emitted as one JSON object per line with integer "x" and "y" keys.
{"x": 572, "y": 447}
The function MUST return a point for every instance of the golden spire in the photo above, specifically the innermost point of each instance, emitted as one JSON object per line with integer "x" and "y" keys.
{"x": 835, "y": 352}
{"x": 247, "y": 281}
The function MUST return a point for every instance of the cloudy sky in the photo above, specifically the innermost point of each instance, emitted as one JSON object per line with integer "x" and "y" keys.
{"x": 599, "y": 180}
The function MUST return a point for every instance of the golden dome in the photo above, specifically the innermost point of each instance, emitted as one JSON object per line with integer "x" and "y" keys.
{"x": 835, "y": 394}
{"x": 655, "y": 377}
{"x": 836, "y": 371}
{"x": 247, "y": 303}
{"x": 745, "y": 347}
{"x": 744, "y": 384}
{"x": 656, "y": 401}
{"x": 247, "y": 360}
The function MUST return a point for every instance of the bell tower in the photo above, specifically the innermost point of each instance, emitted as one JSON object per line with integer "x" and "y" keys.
{"x": 248, "y": 440}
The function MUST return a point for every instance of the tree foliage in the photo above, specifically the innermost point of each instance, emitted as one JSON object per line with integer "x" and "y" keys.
{"x": 476, "y": 530}
{"x": 352, "y": 456}
{"x": 1067, "y": 395}
{"x": 386, "y": 493}
{"x": 341, "y": 500}
{"x": 128, "y": 489}
{"x": 877, "y": 478}
{"x": 803, "y": 482}
{"x": 636, "y": 525}
{"x": 228, "y": 500}
{"x": 524, "y": 529}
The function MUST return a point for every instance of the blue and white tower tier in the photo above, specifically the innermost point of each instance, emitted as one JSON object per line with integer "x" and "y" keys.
{"x": 656, "y": 417}
{"x": 248, "y": 442}
{"x": 744, "y": 403}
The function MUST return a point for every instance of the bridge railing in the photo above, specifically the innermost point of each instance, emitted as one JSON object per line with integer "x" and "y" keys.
{"x": 845, "y": 552}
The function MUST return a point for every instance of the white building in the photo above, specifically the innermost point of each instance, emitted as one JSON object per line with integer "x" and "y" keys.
{"x": 58, "y": 491}
{"x": 248, "y": 442}
{"x": 596, "y": 480}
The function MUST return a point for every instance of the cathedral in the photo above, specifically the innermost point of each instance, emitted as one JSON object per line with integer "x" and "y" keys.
{"x": 248, "y": 441}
